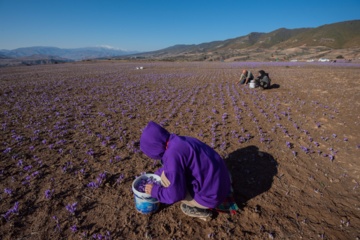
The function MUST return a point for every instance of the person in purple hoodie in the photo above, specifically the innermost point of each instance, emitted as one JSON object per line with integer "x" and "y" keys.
{"x": 192, "y": 172}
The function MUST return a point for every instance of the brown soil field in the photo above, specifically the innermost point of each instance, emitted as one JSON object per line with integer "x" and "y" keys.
{"x": 69, "y": 148}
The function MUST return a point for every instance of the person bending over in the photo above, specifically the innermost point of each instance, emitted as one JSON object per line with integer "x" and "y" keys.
{"x": 245, "y": 77}
{"x": 192, "y": 172}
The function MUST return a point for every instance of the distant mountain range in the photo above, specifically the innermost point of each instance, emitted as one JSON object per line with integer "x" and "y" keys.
{"x": 42, "y": 55}
{"x": 337, "y": 40}
{"x": 72, "y": 54}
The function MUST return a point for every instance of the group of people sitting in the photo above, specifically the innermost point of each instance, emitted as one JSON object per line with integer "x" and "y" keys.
{"x": 263, "y": 80}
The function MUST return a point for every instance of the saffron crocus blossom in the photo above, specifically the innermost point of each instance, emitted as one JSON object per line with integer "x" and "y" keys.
{"x": 48, "y": 193}
{"x": 27, "y": 168}
{"x": 99, "y": 180}
{"x": 305, "y": 149}
{"x": 57, "y": 227}
{"x": 90, "y": 152}
{"x": 7, "y": 150}
{"x": 8, "y": 191}
{"x": 13, "y": 210}
{"x": 71, "y": 208}
{"x": 74, "y": 228}
{"x": 92, "y": 185}
{"x": 141, "y": 184}
{"x": 120, "y": 178}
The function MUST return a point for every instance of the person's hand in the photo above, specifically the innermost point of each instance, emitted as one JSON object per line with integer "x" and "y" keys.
{"x": 148, "y": 188}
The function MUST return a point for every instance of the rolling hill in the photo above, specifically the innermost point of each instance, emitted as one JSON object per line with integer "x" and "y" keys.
{"x": 331, "y": 40}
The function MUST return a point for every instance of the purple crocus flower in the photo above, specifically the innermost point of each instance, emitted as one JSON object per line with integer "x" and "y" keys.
{"x": 214, "y": 111}
{"x": 19, "y": 163}
{"x": 141, "y": 184}
{"x": 120, "y": 178}
{"x": 305, "y": 149}
{"x": 27, "y": 168}
{"x": 36, "y": 173}
{"x": 71, "y": 208}
{"x": 13, "y": 210}
{"x": 48, "y": 193}
{"x": 90, "y": 152}
{"x": 92, "y": 185}
{"x": 73, "y": 228}
{"x": 325, "y": 138}
{"x": 8, "y": 191}
{"x": 7, "y": 150}
{"x": 57, "y": 227}
{"x": 101, "y": 178}
{"x": 67, "y": 166}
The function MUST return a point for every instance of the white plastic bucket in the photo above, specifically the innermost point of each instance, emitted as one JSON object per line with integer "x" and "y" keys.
{"x": 144, "y": 203}
{"x": 252, "y": 84}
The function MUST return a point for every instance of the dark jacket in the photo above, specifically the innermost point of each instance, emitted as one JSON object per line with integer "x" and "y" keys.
{"x": 264, "y": 79}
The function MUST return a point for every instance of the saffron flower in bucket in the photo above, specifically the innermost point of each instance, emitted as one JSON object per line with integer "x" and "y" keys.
{"x": 145, "y": 180}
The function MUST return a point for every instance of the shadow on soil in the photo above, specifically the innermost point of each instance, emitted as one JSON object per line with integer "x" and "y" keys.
{"x": 274, "y": 86}
{"x": 252, "y": 173}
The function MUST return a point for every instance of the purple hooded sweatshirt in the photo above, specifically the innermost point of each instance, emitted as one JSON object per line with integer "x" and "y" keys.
{"x": 189, "y": 164}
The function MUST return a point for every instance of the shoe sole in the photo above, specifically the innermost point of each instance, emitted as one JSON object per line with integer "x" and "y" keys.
{"x": 204, "y": 218}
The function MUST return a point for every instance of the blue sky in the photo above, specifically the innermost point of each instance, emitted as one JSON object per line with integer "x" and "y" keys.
{"x": 147, "y": 25}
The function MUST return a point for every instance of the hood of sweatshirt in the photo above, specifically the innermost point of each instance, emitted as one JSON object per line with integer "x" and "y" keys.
{"x": 153, "y": 140}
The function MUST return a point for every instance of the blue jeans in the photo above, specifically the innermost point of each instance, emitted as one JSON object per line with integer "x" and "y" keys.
{"x": 243, "y": 81}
